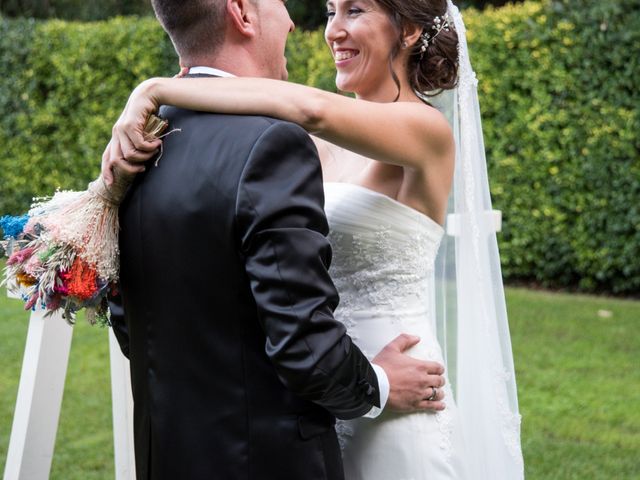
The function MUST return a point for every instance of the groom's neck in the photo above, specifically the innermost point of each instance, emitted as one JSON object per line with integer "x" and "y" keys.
{"x": 236, "y": 61}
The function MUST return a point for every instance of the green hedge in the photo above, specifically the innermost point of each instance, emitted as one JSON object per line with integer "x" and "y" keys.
{"x": 559, "y": 96}
{"x": 64, "y": 87}
{"x": 74, "y": 9}
{"x": 561, "y": 108}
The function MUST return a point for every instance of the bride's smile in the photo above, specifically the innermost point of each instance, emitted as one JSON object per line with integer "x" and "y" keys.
{"x": 361, "y": 38}
{"x": 342, "y": 55}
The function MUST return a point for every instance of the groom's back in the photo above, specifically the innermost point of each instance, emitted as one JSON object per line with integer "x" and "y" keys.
{"x": 207, "y": 397}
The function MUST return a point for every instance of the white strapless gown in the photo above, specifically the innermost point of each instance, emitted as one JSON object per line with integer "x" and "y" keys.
{"x": 383, "y": 268}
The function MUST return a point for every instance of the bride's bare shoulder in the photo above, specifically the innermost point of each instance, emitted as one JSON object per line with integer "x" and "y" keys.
{"x": 430, "y": 122}
{"x": 427, "y": 111}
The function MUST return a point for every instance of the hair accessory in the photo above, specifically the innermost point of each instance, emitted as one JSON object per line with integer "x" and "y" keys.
{"x": 439, "y": 24}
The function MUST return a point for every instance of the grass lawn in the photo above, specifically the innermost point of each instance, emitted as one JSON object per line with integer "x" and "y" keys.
{"x": 84, "y": 444}
{"x": 578, "y": 378}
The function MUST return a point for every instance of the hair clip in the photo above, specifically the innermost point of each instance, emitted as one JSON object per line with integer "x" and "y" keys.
{"x": 439, "y": 24}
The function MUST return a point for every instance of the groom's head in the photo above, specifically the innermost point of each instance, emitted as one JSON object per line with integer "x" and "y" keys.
{"x": 245, "y": 37}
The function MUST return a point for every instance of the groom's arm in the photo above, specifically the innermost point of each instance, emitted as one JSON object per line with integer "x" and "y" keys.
{"x": 282, "y": 231}
{"x": 118, "y": 324}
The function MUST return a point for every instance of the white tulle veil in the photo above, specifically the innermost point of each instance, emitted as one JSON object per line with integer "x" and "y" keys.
{"x": 471, "y": 315}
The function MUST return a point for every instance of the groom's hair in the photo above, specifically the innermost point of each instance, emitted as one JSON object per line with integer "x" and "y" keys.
{"x": 196, "y": 27}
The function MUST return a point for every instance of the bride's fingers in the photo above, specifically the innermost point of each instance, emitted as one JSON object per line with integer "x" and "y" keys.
{"x": 117, "y": 160}
{"x": 133, "y": 155}
{"x": 183, "y": 71}
{"x": 130, "y": 152}
{"x": 130, "y": 131}
{"x": 141, "y": 145}
{"x": 130, "y": 168}
{"x": 135, "y": 147}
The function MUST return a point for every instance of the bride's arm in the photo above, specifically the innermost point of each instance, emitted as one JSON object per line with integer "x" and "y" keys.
{"x": 408, "y": 134}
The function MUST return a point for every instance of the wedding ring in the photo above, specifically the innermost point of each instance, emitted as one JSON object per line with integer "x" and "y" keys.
{"x": 434, "y": 394}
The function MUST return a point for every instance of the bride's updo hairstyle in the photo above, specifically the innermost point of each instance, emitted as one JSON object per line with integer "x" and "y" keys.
{"x": 435, "y": 68}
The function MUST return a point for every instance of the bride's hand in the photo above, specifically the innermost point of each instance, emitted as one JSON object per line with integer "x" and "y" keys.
{"x": 182, "y": 73}
{"x": 128, "y": 148}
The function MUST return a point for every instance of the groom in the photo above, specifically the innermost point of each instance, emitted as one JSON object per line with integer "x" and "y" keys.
{"x": 226, "y": 313}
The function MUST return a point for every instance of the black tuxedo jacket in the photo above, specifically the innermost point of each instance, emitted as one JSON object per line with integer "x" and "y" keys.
{"x": 225, "y": 310}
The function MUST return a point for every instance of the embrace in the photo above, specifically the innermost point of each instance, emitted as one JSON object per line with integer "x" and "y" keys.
{"x": 289, "y": 303}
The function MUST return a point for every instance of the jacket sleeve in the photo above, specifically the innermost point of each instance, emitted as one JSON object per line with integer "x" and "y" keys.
{"x": 282, "y": 231}
{"x": 118, "y": 325}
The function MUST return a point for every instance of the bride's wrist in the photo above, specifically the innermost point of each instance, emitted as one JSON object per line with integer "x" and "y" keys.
{"x": 148, "y": 93}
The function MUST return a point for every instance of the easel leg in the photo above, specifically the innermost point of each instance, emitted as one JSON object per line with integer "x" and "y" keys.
{"x": 122, "y": 412}
{"x": 37, "y": 411}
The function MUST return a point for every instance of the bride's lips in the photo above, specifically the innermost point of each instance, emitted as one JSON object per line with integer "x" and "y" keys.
{"x": 344, "y": 56}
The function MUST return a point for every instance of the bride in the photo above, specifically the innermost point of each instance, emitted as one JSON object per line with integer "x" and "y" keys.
{"x": 398, "y": 172}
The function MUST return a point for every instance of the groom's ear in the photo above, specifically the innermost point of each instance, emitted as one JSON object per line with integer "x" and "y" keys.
{"x": 243, "y": 16}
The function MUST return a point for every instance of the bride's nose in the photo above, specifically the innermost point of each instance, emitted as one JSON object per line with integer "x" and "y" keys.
{"x": 334, "y": 30}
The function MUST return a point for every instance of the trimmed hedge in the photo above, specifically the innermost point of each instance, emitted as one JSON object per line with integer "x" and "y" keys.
{"x": 64, "y": 87}
{"x": 74, "y": 9}
{"x": 561, "y": 110}
{"x": 309, "y": 60}
{"x": 559, "y": 95}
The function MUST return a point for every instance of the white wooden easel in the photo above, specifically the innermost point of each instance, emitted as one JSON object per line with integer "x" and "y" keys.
{"x": 35, "y": 420}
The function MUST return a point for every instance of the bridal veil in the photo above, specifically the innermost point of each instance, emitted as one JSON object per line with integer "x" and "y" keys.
{"x": 472, "y": 317}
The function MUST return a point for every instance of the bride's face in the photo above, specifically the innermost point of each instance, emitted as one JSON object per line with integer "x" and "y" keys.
{"x": 361, "y": 37}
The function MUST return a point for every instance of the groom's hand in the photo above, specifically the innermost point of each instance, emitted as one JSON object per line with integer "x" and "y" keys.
{"x": 410, "y": 380}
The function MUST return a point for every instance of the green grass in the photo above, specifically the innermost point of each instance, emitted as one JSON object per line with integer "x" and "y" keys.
{"x": 578, "y": 380}
{"x": 84, "y": 445}
{"x": 579, "y": 385}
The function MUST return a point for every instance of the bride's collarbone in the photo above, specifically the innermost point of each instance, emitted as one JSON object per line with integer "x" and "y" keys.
{"x": 343, "y": 166}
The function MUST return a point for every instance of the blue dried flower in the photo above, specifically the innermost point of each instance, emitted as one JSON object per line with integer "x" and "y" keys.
{"x": 13, "y": 226}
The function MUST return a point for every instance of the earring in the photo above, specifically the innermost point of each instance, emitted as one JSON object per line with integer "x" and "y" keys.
{"x": 404, "y": 44}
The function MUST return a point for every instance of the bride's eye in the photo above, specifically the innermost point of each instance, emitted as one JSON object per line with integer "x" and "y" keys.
{"x": 330, "y": 14}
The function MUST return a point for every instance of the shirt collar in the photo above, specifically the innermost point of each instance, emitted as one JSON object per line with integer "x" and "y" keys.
{"x": 209, "y": 71}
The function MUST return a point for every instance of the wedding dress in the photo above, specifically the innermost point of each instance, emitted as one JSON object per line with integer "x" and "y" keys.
{"x": 389, "y": 268}
{"x": 383, "y": 267}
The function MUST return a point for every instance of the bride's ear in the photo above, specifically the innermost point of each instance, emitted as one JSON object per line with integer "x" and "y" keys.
{"x": 411, "y": 34}
{"x": 242, "y": 17}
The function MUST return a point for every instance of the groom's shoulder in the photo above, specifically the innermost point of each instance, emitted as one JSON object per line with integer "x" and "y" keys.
{"x": 238, "y": 132}
{"x": 248, "y": 129}
{"x": 259, "y": 128}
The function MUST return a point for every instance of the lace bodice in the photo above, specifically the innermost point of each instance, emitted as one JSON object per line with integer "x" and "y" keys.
{"x": 383, "y": 261}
